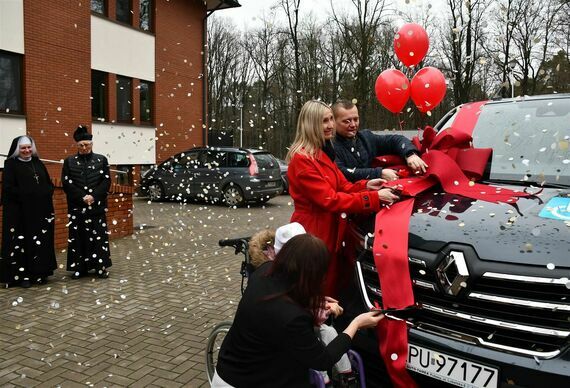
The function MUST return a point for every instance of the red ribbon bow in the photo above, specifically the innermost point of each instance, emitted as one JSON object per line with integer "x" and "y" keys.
{"x": 452, "y": 161}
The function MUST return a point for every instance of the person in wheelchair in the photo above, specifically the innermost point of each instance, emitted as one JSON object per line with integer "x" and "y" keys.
{"x": 263, "y": 246}
{"x": 272, "y": 342}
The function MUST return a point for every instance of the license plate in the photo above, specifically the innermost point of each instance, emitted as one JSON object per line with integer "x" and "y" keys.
{"x": 450, "y": 369}
{"x": 271, "y": 184}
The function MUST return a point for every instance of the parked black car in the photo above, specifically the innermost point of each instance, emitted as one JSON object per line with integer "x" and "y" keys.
{"x": 493, "y": 279}
{"x": 230, "y": 175}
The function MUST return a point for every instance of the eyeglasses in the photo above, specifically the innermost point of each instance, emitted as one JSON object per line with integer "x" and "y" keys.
{"x": 84, "y": 145}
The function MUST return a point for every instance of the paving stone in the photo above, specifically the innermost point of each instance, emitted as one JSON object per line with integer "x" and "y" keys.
{"x": 145, "y": 325}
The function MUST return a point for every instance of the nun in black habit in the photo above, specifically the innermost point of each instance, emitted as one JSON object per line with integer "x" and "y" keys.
{"x": 27, "y": 255}
{"x": 86, "y": 181}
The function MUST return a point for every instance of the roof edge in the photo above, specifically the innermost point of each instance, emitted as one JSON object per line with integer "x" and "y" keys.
{"x": 216, "y": 5}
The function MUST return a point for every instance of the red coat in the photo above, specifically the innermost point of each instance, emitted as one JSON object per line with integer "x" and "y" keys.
{"x": 323, "y": 198}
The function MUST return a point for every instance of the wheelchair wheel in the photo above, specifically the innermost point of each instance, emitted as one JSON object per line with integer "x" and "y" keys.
{"x": 213, "y": 345}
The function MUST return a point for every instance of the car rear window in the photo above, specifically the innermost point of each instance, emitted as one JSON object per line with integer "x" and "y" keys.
{"x": 238, "y": 159}
{"x": 265, "y": 161}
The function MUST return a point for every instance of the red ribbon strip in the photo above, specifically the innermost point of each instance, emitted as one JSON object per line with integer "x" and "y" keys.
{"x": 450, "y": 156}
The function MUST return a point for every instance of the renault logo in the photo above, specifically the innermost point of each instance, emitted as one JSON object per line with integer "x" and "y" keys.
{"x": 452, "y": 273}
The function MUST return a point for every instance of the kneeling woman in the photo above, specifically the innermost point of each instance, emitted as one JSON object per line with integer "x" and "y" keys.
{"x": 272, "y": 342}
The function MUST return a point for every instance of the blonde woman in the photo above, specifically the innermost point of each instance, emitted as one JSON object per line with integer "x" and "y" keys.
{"x": 322, "y": 195}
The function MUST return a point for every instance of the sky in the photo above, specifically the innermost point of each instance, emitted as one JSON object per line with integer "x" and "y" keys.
{"x": 247, "y": 16}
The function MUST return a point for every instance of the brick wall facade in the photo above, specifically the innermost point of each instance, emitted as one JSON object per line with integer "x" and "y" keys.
{"x": 57, "y": 88}
{"x": 57, "y": 74}
{"x": 179, "y": 77}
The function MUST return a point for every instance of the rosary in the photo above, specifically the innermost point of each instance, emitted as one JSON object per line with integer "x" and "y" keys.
{"x": 35, "y": 173}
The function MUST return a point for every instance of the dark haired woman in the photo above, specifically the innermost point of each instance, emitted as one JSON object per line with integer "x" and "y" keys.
{"x": 272, "y": 342}
{"x": 27, "y": 254}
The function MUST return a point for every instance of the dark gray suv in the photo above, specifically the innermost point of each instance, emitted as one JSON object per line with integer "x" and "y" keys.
{"x": 493, "y": 279}
{"x": 229, "y": 175}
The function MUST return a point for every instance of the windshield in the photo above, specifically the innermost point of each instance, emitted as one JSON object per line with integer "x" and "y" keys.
{"x": 529, "y": 139}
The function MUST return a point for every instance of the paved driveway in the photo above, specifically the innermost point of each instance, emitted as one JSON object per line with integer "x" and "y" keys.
{"x": 147, "y": 324}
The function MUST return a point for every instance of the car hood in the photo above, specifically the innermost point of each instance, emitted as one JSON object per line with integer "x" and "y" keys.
{"x": 500, "y": 232}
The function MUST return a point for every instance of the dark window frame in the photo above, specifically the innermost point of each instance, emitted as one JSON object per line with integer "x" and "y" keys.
{"x": 105, "y": 8}
{"x": 20, "y": 110}
{"x": 150, "y": 17}
{"x": 130, "y": 12}
{"x": 105, "y": 116}
{"x": 129, "y": 101}
{"x": 151, "y": 98}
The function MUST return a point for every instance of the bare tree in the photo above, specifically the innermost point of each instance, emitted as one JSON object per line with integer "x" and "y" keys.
{"x": 223, "y": 57}
{"x": 461, "y": 44}
{"x": 360, "y": 38}
{"x": 533, "y": 34}
{"x": 291, "y": 8}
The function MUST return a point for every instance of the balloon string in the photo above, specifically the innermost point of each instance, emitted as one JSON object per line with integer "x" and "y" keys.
{"x": 400, "y": 121}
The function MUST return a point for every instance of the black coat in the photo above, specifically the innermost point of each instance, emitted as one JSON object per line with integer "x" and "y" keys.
{"x": 354, "y": 156}
{"x": 27, "y": 221}
{"x": 83, "y": 175}
{"x": 272, "y": 343}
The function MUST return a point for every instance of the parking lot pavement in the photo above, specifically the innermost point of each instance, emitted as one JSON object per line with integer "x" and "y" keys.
{"x": 147, "y": 324}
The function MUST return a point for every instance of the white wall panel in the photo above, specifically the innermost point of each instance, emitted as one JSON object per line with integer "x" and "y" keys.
{"x": 12, "y": 26}
{"x": 11, "y": 127}
{"x": 125, "y": 144}
{"x": 121, "y": 50}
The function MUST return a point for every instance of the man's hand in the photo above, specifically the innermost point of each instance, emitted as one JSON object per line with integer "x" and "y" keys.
{"x": 416, "y": 163}
{"x": 387, "y": 196}
{"x": 375, "y": 184}
{"x": 389, "y": 174}
{"x": 88, "y": 199}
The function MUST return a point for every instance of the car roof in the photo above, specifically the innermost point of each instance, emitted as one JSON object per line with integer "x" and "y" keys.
{"x": 227, "y": 149}
{"x": 556, "y": 96}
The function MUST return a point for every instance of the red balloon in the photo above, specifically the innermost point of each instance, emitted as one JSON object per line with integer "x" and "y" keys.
{"x": 411, "y": 44}
{"x": 428, "y": 88}
{"x": 392, "y": 90}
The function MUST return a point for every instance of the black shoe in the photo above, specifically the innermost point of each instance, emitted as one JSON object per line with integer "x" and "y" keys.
{"x": 25, "y": 283}
{"x": 103, "y": 274}
{"x": 77, "y": 275}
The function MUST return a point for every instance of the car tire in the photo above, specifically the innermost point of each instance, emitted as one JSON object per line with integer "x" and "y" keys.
{"x": 156, "y": 191}
{"x": 232, "y": 195}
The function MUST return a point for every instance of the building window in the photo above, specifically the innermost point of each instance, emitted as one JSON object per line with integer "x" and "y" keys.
{"x": 145, "y": 101}
{"x": 145, "y": 18}
{"x": 99, "y": 6}
{"x": 98, "y": 95}
{"x": 124, "y": 98}
{"x": 11, "y": 83}
{"x": 123, "y": 11}
{"x": 124, "y": 175}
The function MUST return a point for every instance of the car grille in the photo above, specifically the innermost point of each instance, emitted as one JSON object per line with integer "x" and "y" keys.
{"x": 520, "y": 314}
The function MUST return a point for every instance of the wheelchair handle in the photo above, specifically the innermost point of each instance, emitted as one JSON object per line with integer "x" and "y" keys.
{"x": 233, "y": 242}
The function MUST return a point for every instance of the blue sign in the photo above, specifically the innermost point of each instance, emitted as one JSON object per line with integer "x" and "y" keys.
{"x": 558, "y": 208}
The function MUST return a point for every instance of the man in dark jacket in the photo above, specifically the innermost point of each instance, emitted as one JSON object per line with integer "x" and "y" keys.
{"x": 355, "y": 149}
{"x": 86, "y": 181}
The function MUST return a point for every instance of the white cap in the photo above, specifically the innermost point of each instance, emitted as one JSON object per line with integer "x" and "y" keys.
{"x": 285, "y": 233}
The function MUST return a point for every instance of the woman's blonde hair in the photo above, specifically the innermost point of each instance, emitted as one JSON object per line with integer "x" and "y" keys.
{"x": 309, "y": 138}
